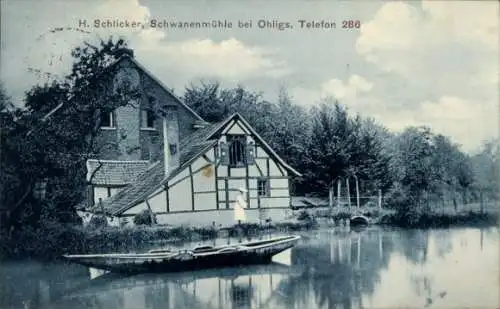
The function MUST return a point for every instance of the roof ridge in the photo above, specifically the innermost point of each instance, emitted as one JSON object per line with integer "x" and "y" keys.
{"x": 117, "y": 161}
{"x": 160, "y": 83}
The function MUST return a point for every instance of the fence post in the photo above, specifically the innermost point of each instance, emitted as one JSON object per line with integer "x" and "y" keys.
{"x": 379, "y": 199}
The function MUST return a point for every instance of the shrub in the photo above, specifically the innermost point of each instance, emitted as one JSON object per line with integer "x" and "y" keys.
{"x": 144, "y": 218}
{"x": 372, "y": 213}
{"x": 342, "y": 215}
{"x": 370, "y": 204}
{"x": 304, "y": 215}
{"x": 98, "y": 221}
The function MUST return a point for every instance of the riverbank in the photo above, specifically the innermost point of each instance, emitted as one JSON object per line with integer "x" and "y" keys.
{"x": 443, "y": 220}
{"x": 53, "y": 240}
{"x": 439, "y": 218}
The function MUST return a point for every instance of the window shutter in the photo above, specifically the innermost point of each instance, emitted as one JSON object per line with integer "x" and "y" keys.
{"x": 224, "y": 153}
{"x": 250, "y": 155}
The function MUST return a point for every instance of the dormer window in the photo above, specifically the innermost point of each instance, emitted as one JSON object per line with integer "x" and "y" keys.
{"x": 107, "y": 120}
{"x": 147, "y": 119}
{"x": 237, "y": 150}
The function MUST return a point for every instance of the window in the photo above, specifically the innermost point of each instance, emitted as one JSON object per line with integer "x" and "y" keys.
{"x": 107, "y": 120}
{"x": 263, "y": 188}
{"x": 147, "y": 119}
{"x": 237, "y": 150}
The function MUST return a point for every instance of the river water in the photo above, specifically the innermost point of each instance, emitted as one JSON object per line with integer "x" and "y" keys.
{"x": 336, "y": 268}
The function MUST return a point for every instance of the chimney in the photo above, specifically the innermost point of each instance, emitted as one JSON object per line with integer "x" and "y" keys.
{"x": 166, "y": 150}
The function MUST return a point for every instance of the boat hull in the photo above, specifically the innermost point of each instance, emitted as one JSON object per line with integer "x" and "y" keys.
{"x": 235, "y": 255}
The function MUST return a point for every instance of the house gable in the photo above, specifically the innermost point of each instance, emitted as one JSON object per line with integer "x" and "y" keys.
{"x": 155, "y": 88}
{"x": 138, "y": 128}
{"x": 201, "y": 179}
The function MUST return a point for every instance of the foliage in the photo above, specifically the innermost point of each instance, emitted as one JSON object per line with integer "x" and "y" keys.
{"x": 304, "y": 215}
{"x": 44, "y": 146}
{"x": 416, "y": 170}
{"x": 441, "y": 220}
{"x": 47, "y": 143}
{"x": 146, "y": 217}
{"x": 98, "y": 221}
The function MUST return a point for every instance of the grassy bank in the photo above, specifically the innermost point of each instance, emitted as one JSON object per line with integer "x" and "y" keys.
{"x": 51, "y": 241}
{"x": 441, "y": 217}
{"x": 442, "y": 220}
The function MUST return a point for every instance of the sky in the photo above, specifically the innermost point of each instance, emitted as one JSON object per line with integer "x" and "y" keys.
{"x": 408, "y": 63}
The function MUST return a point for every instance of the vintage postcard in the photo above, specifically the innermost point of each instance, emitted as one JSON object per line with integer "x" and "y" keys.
{"x": 249, "y": 154}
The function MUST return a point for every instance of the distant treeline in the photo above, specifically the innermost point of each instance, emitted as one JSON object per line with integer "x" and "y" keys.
{"x": 416, "y": 169}
{"x": 42, "y": 159}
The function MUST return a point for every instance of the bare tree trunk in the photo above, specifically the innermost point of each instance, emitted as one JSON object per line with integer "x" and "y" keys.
{"x": 443, "y": 198}
{"x": 379, "y": 199}
{"x": 348, "y": 193}
{"x": 481, "y": 201}
{"x": 1, "y": 171}
{"x": 330, "y": 195}
{"x": 339, "y": 185}
{"x": 357, "y": 192}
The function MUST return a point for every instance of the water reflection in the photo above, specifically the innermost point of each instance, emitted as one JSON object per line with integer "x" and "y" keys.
{"x": 338, "y": 268}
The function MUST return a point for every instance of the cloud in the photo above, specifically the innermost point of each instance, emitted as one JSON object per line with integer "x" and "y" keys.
{"x": 349, "y": 92}
{"x": 228, "y": 60}
{"x": 446, "y": 55}
{"x": 468, "y": 122}
{"x": 33, "y": 52}
{"x": 174, "y": 61}
{"x": 130, "y": 10}
{"x": 445, "y": 42}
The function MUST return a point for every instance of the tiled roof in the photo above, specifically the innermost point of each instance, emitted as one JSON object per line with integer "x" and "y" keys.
{"x": 191, "y": 147}
{"x": 153, "y": 178}
{"x": 202, "y": 134}
{"x": 133, "y": 192}
{"x": 114, "y": 173}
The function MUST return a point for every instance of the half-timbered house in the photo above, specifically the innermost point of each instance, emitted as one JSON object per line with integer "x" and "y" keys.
{"x": 201, "y": 187}
{"x": 166, "y": 158}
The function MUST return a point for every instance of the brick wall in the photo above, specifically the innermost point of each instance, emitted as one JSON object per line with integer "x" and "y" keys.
{"x": 107, "y": 143}
{"x": 185, "y": 119}
{"x": 129, "y": 142}
{"x": 127, "y": 122}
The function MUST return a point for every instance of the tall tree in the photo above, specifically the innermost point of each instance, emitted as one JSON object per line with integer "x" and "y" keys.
{"x": 485, "y": 165}
{"x": 329, "y": 150}
{"x": 58, "y": 131}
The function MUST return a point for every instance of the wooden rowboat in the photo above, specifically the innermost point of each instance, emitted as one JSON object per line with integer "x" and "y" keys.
{"x": 256, "y": 252}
